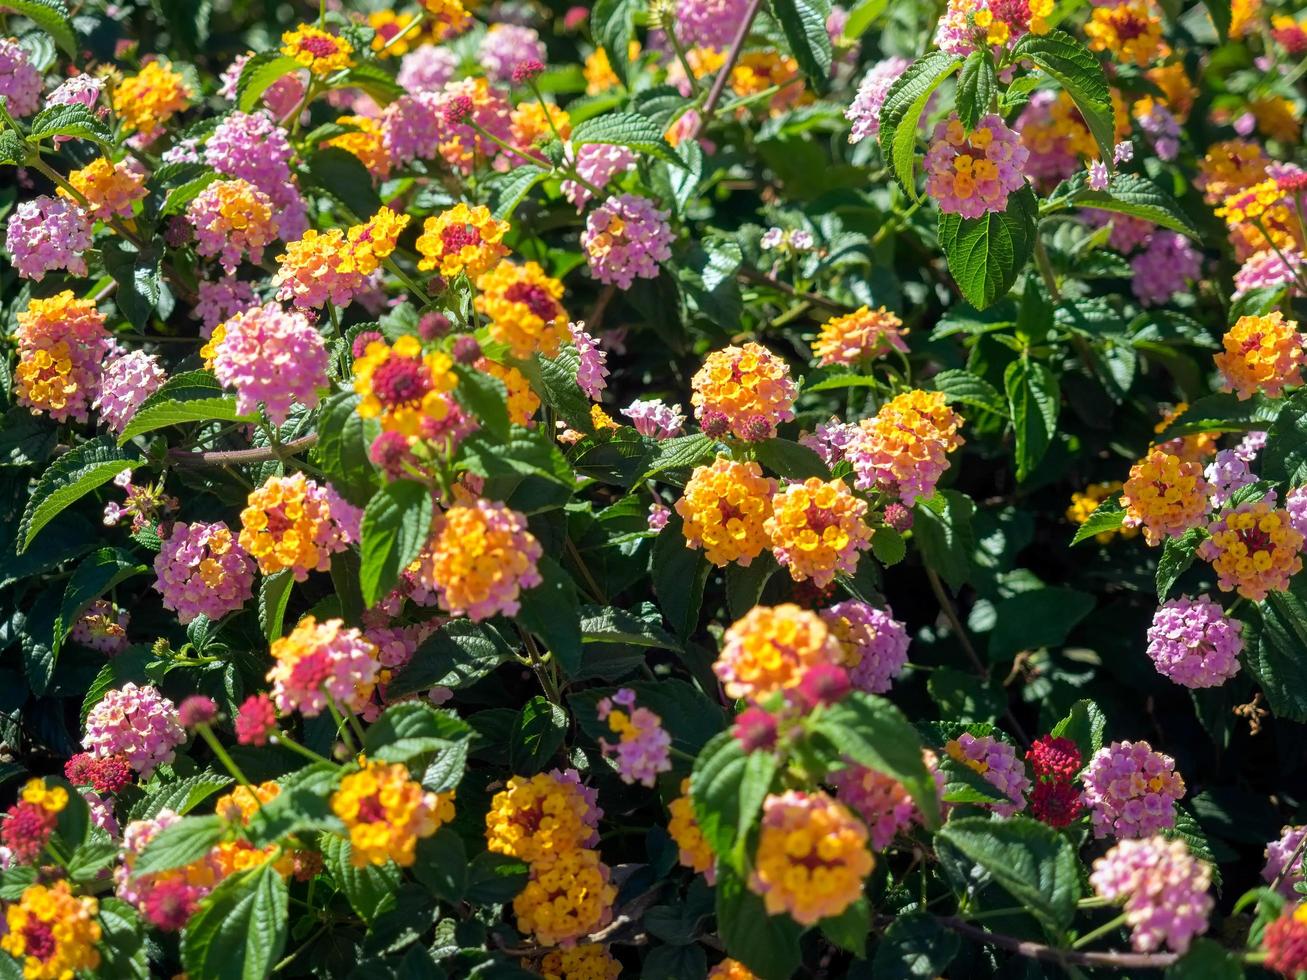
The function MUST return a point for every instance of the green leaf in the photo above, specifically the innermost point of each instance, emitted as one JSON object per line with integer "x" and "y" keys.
{"x": 179, "y": 197}
{"x": 139, "y": 275}
{"x": 374, "y": 80}
{"x": 396, "y": 526}
{"x": 561, "y": 392}
{"x": 839, "y": 382}
{"x": 1221, "y": 13}
{"x": 888, "y": 546}
{"x": 259, "y": 74}
{"x": 804, "y": 25}
{"x": 1084, "y": 725}
{"x": 849, "y": 929}
{"x": 1134, "y": 195}
{"x": 195, "y": 396}
{"x": 274, "y": 596}
{"x": 342, "y": 175}
{"x": 767, "y": 944}
{"x": 789, "y": 459}
{"x": 457, "y": 654}
{"x": 977, "y": 86}
{"x": 343, "y": 440}
{"x": 96, "y": 575}
{"x": 1037, "y": 618}
{"x": 1034, "y": 400}
{"x": 74, "y": 121}
{"x": 680, "y": 453}
{"x": 1030, "y": 861}
{"x": 240, "y": 930}
{"x": 608, "y": 624}
{"x": 914, "y": 947}
{"x": 627, "y": 129}
{"x": 1274, "y": 652}
{"x": 1177, "y": 555}
{"x": 441, "y": 865}
{"x": 744, "y": 583}
{"x": 679, "y": 576}
{"x": 873, "y": 733}
{"x": 303, "y": 805}
{"x": 901, "y": 112}
{"x": 1224, "y": 412}
{"x": 1206, "y": 960}
{"x": 986, "y": 254}
{"x": 942, "y": 530}
{"x": 494, "y": 879}
{"x": 1107, "y": 516}
{"x": 370, "y": 889}
{"x": 507, "y": 190}
{"x": 1285, "y": 457}
{"x": 727, "y": 788}
{"x": 537, "y": 736}
{"x": 413, "y": 728}
{"x": 69, "y": 478}
{"x": 965, "y": 387}
{"x": 552, "y": 611}
{"x": 181, "y": 797}
{"x": 189, "y": 839}
{"x": 485, "y": 397}
{"x": 612, "y": 24}
{"x": 122, "y": 942}
{"x": 13, "y": 150}
{"x": 52, "y": 17}
{"x": 1069, "y": 63}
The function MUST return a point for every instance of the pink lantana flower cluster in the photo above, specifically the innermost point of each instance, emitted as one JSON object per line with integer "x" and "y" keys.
{"x": 625, "y": 238}
{"x": 1194, "y": 643}
{"x": 271, "y": 357}
{"x": 1131, "y": 790}
{"x": 1163, "y": 887}
{"x": 643, "y": 748}
{"x": 137, "y": 723}
{"x": 998, "y": 763}
{"x": 202, "y": 571}
{"x": 973, "y": 173}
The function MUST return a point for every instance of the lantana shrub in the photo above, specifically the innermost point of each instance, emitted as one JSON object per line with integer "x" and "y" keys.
{"x": 657, "y": 488}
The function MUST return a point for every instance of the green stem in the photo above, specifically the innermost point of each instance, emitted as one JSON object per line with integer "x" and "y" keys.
{"x": 342, "y": 729}
{"x": 1103, "y": 930}
{"x": 281, "y": 738}
{"x": 206, "y": 733}
{"x": 1046, "y": 268}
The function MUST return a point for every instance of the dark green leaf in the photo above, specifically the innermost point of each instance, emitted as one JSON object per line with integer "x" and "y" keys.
{"x": 985, "y": 255}
{"x": 1034, "y": 401}
{"x": 1069, "y": 63}
{"x": 370, "y": 889}
{"x": 552, "y": 611}
{"x": 901, "y": 112}
{"x": 627, "y": 129}
{"x": 1274, "y": 652}
{"x": 396, "y": 526}
{"x": 1107, "y": 516}
{"x": 914, "y": 947}
{"x": 342, "y": 175}
{"x": 1177, "y": 555}
{"x": 1085, "y": 726}
{"x": 727, "y": 787}
{"x": 977, "y": 86}
{"x": 195, "y": 396}
{"x": 804, "y": 25}
{"x": 240, "y": 931}
{"x": 767, "y": 944}
{"x": 69, "y": 478}
{"x": 537, "y": 736}
{"x": 942, "y": 530}
{"x": 181, "y": 843}
{"x": 679, "y": 576}
{"x": 1035, "y": 619}
{"x": 1134, "y": 195}
{"x": 259, "y": 74}
{"x": 73, "y": 121}
{"x": 52, "y": 17}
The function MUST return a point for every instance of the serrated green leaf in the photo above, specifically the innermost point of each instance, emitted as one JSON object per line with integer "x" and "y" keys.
{"x": 396, "y": 526}
{"x": 52, "y": 17}
{"x": 1069, "y": 63}
{"x": 977, "y": 86}
{"x": 901, "y": 112}
{"x": 195, "y": 396}
{"x": 804, "y": 24}
{"x": 259, "y": 74}
{"x": 240, "y": 931}
{"x": 986, "y": 254}
{"x": 1034, "y": 403}
{"x": 73, "y": 121}
{"x": 1134, "y": 195}
{"x": 1107, "y": 516}
{"x": 630, "y": 130}
{"x": 69, "y": 478}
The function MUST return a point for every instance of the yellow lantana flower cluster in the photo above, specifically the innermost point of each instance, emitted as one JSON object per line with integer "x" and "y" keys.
{"x": 770, "y": 648}
{"x": 904, "y": 448}
{"x": 289, "y": 523}
{"x": 147, "y": 100}
{"x": 522, "y": 400}
{"x": 812, "y": 857}
{"x": 817, "y": 530}
{"x": 693, "y": 850}
{"x": 52, "y": 932}
{"x": 1131, "y": 31}
{"x": 387, "y": 812}
{"x": 110, "y": 189}
{"x": 861, "y": 335}
{"x": 1085, "y": 502}
{"x": 61, "y": 344}
{"x": 534, "y": 817}
{"x": 524, "y": 308}
{"x": 318, "y": 51}
{"x": 1262, "y": 353}
{"x": 462, "y": 239}
{"x": 725, "y": 508}
{"x": 1165, "y": 494}
{"x": 1254, "y": 549}
{"x": 404, "y": 389}
{"x": 480, "y": 559}
{"x": 569, "y": 895}
{"x": 590, "y": 961}
{"x": 746, "y": 391}
{"x": 365, "y": 139}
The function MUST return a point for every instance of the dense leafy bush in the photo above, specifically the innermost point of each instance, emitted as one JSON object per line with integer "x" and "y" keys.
{"x": 685, "y": 488}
